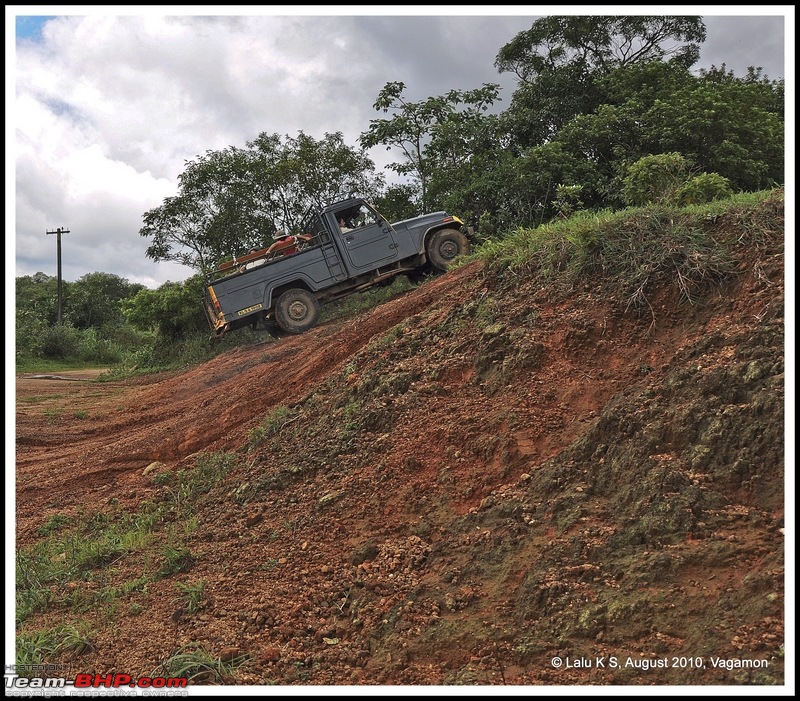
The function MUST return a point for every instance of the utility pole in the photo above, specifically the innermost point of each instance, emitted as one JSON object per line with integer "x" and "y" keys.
{"x": 59, "y": 231}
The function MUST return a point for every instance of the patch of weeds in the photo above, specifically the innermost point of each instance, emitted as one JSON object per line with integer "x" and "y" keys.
{"x": 175, "y": 559}
{"x": 268, "y": 565}
{"x": 81, "y": 414}
{"x": 190, "y": 525}
{"x": 192, "y": 596}
{"x": 350, "y": 368}
{"x": 125, "y": 589}
{"x": 389, "y": 337}
{"x": 40, "y": 399}
{"x": 198, "y": 666}
{"x": 33, "y": 571}
{"x": 53, "y": 524}
{"x": 274, "y": 423}
{"x": 190, "y": 484}
{"x": 40, "y": 646}
{"x": 352, "y": 414}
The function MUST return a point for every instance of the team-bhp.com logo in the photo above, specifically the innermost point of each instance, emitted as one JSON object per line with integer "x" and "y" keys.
{"x": 85, "y": 681}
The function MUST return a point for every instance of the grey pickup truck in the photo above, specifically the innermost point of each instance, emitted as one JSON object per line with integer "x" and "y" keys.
{"x": 347, "y": 247}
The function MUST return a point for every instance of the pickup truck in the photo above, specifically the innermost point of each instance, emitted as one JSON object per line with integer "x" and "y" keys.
{"x": 347, "y": 247}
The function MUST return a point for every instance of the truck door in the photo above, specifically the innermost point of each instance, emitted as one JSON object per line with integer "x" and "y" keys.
{"x": 368, "y": 240}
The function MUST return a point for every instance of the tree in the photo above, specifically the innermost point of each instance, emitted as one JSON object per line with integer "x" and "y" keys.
{"x": 600, "y": 43}
{"x": 289, "y": 180}
{"x": 732, "y": 127}
{"x": 726, "y": 126}
{"x": 560, "y": 60}
{"x": 95, "y": 300}
{"x": 199, "y": 226}
{"x": 398, "y": 202}
{"x": 36, "y": 297}
{"x": 414, "y": 124}
{"x": 174, "y": 310}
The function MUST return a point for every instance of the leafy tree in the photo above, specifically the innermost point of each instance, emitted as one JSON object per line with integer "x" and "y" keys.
{"x": 290, "y": 180}
{"x": 174, "y": 310}
{"x": 37, "y": 297}
{"x": 95, "y": 300}
{"x": 560, "y": 60}
{"x": 432, "y": 133}
{"x": 724, "y": 126}
{"x": 487, "y": 192}
{"x": 208, "y": 217}
{"x": 600, "y": 42}
{"x": 719, "y": 125}
{"x": 398, "y": 202}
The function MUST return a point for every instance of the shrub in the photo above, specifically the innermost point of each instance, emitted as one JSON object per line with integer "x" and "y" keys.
{"x": 654, "y": 179}
{"x": 703, "y": 188}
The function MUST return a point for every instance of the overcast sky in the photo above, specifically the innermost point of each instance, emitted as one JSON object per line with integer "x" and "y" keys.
{"x": 105, "y": 105}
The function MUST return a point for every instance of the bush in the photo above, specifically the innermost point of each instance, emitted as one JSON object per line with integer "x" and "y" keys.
{"x": 59, "y": 342}
{"x": 654, "y": 179}
{"x": 703, "y": 188}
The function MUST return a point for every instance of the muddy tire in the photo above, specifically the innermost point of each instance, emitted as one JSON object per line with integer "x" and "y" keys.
{"x": 296, "y": 311}
{"x": 444, "y": 246}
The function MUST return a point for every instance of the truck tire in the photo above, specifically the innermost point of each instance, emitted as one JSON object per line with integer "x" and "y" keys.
{"x": 445, "y": 245}
{"x": 296, "y": 311}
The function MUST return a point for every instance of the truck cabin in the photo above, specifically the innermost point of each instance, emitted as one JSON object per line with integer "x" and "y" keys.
{"x": 356, "y": 216}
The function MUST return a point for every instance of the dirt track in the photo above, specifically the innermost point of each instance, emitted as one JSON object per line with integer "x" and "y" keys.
{"x": 102, "y": 435}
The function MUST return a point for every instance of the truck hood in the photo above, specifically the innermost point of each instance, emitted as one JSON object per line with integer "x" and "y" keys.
{"x": 424, "y": 221}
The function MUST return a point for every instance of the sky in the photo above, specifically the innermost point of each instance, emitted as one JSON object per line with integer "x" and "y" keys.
{"x": 106, "y": 105}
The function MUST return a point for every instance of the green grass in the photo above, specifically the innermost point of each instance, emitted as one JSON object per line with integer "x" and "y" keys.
{"x": 73, "y": 565}
{"x": 273, "y": 424}
{"x": 192, "y": 596}
{"x": 634, "y": 249}
{"x": 40, "y": 646}
{"x": 198, "y": 666}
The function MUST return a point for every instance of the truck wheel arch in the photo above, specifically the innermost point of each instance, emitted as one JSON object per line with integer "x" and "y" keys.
{"x": 443, "y": 245}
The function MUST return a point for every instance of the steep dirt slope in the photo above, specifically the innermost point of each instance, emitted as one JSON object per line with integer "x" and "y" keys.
{"x": 460, "y": 487}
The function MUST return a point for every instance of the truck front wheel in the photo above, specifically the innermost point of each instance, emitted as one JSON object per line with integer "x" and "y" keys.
{"x": 296, "y": 311}
{"x": 445, "y": 245}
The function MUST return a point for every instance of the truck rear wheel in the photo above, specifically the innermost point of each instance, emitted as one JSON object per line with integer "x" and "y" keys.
{"x": 296, "y": 311}
{"x": 444, "y": 246}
